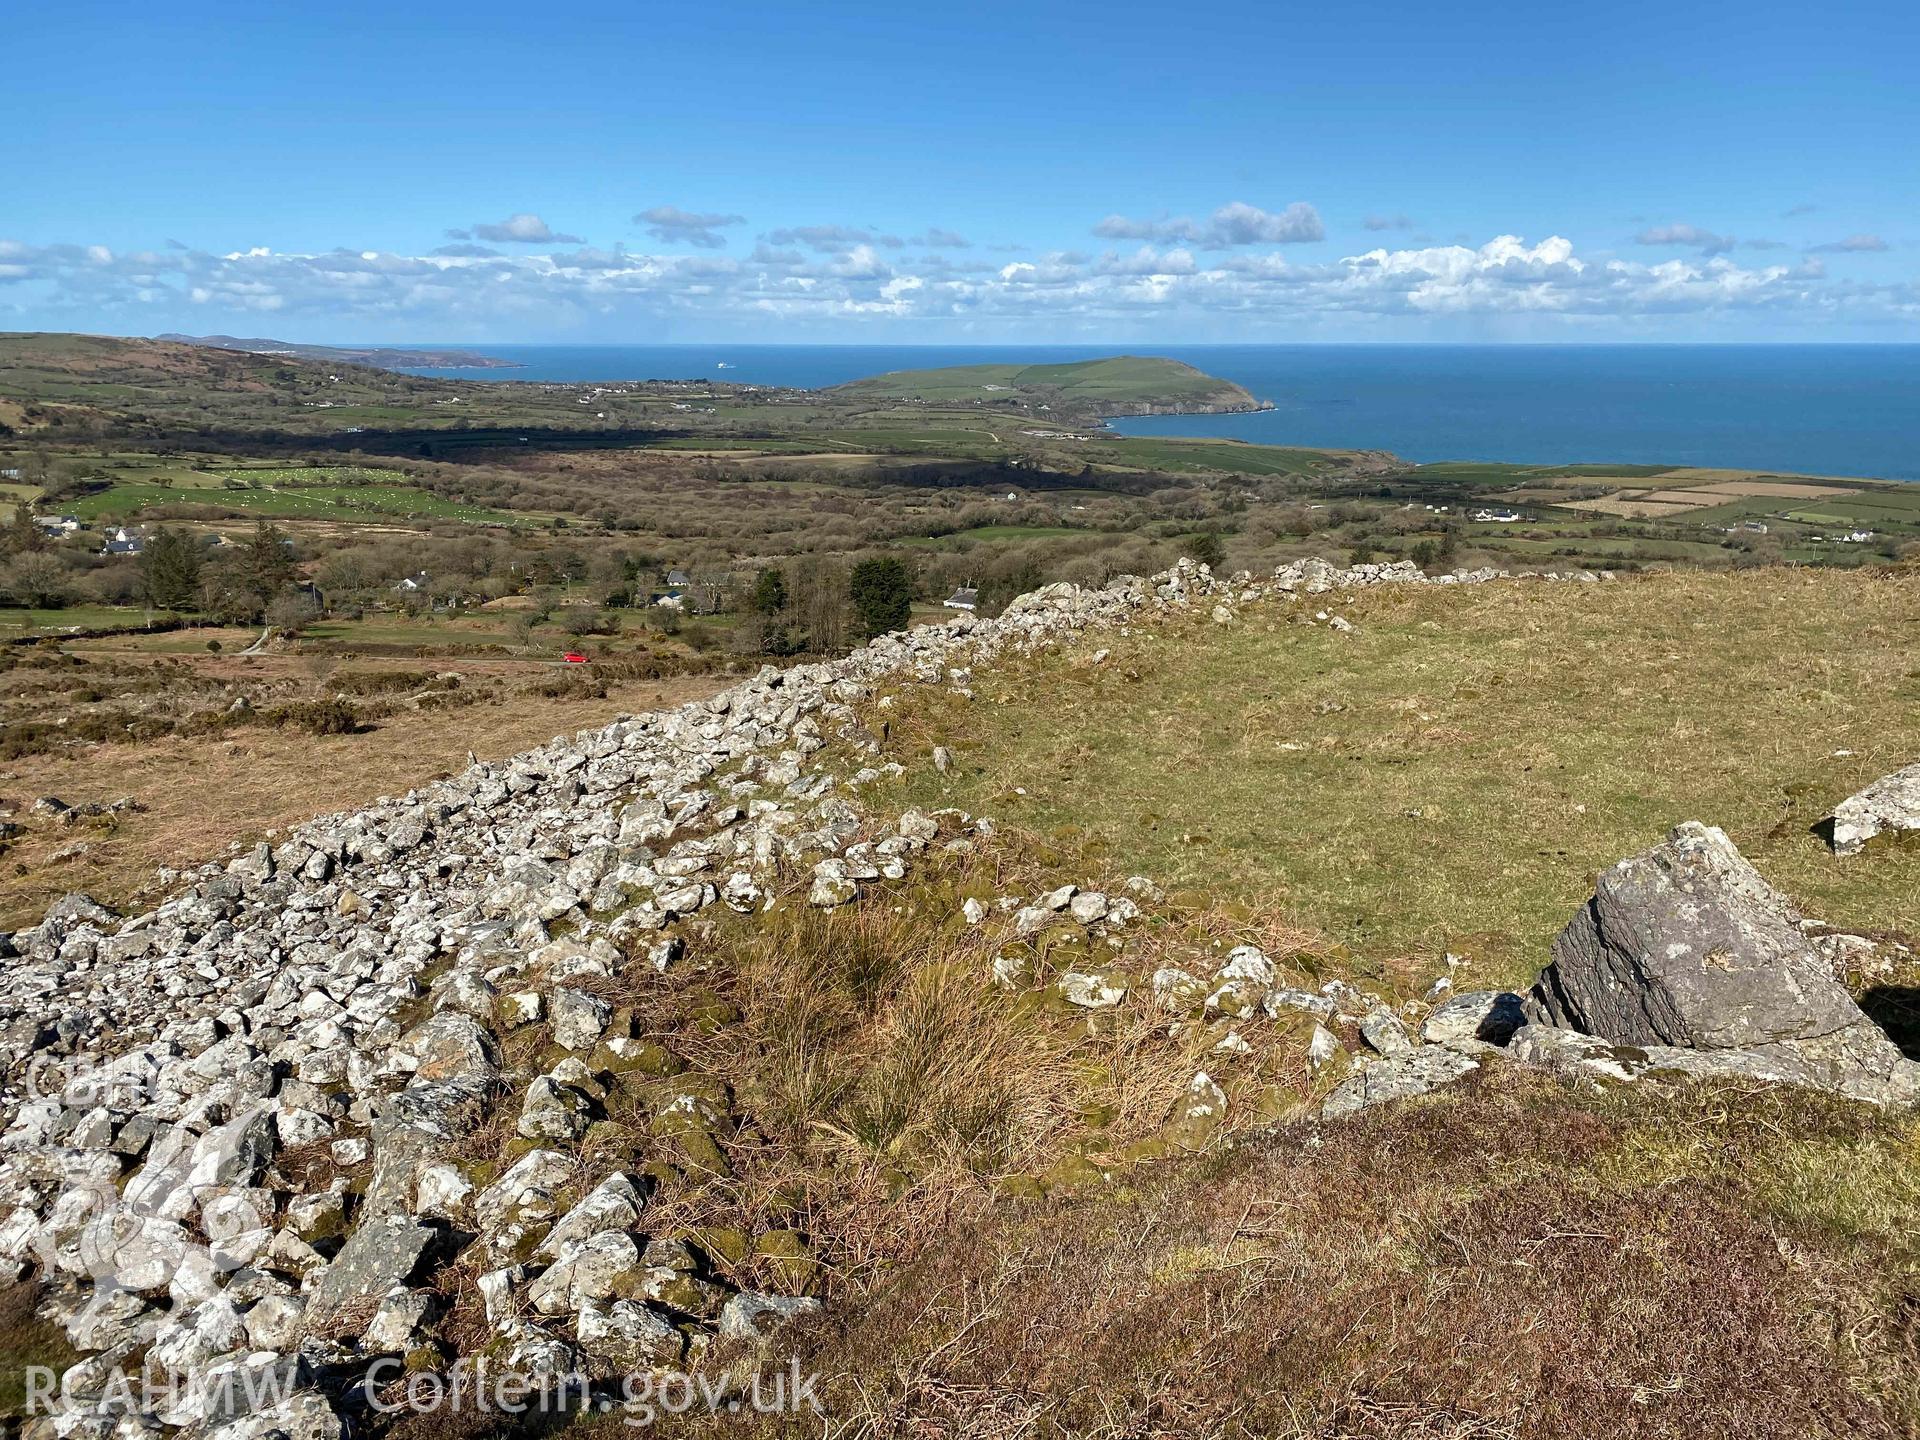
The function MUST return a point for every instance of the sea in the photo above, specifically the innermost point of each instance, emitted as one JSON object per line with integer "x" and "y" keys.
{"x": 1849, "y": 410}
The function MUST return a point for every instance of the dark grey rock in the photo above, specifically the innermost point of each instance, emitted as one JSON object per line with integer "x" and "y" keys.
{"x": 1686, "y": 949}
{"x": 1687, "y": 945}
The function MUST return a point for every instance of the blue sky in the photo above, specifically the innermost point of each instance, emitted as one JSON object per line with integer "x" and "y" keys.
{"x": 988, "y": 172}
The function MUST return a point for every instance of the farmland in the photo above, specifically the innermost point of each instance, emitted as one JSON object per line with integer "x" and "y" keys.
{"x": 280, "y": 492}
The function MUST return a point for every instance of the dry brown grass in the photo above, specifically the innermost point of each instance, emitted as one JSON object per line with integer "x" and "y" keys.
{"x": 203, "y": 794}
{"x": 883, "y": 1088}
{"x": 1632, "y": 506}
{"x": 1646, "y": 500}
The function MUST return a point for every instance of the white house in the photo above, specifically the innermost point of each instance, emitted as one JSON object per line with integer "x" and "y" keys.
{"x": 965, "y": 598}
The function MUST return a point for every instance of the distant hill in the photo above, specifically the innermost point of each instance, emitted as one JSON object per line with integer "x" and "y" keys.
{"x": 60, "y": 383}
{"x": 1118, "y": 385}
{"x": 385, "y": 357}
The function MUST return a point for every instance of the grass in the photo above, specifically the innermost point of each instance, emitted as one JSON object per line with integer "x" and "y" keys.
{"x": 1452, "y": 776}
{"x": 27, "y": 1340}
{"x": 1506, "y": 1260}
{"x": 1234, "y": 456}
{"x": 25, "y": 621}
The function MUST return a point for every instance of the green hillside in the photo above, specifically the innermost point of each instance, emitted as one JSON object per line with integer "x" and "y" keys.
{"x": 1123, "y": 380}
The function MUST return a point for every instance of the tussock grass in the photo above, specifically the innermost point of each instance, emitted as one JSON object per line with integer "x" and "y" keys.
{"x": 882, "y": 1088}
{"x": 1453, "y": 775}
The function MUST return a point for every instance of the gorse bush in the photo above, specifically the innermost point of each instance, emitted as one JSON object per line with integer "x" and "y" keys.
{"x": 334, "y": 715}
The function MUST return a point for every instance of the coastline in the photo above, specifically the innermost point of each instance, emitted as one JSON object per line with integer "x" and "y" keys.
{"x": 1840, "y": 411}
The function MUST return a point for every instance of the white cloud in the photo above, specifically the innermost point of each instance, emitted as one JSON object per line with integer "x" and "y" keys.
{"x": 831, "y": 239}
{"x": 862, "y": 262}
{"x": 1151, "y": 289}
{"x": 520, "y": 229}
{"x": 1233, "y": 224}
{"x": 1147, "y": 261}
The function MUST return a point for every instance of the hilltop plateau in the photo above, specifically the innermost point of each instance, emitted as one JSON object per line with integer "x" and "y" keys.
{"x": 1124, "y": 385}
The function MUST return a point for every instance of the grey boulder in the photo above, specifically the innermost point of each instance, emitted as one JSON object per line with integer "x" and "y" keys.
{"x": 1397, "y": 1077}
{"x": 1686, "y": 948}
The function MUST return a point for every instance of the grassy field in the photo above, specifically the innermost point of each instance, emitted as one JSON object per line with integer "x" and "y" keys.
{"x": 23, "y": 621}
{"x": 291, "y": 496}
{"x": 1234, "y": 456}
{"x": 1452, "y": 776}
{"x": 1126, "y": 379}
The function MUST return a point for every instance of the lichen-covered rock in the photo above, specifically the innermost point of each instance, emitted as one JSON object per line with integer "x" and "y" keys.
{"x": 596, "y": 1269}
{"x": 455, "y": 1048}
{"x": 1398, "y": 1077}
{"x": 577, "y": 1019}
{"x": 1686, "y": 947}
{"x": 537, "y": 1170}
{"x": 378, "y": 1257}
{"x": 624, "y": 1339}
{"x": 1385, "y": 1031}
{"x": 613, "y": 1204}
{"x": 1198, "y": 1114}
{"x": 552, "y": 1111}
{"x": 1685, "y": 944}
{"x": 752, "y": 1315}
{"x": 1090, "y": 990}
{"x": 305, "y": 1415}
{"x": 1891, "y": 805}
{"x": 1485, "y": 1015}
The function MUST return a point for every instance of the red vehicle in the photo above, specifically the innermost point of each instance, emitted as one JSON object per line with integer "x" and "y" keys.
{"x": 574, "y": 657}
